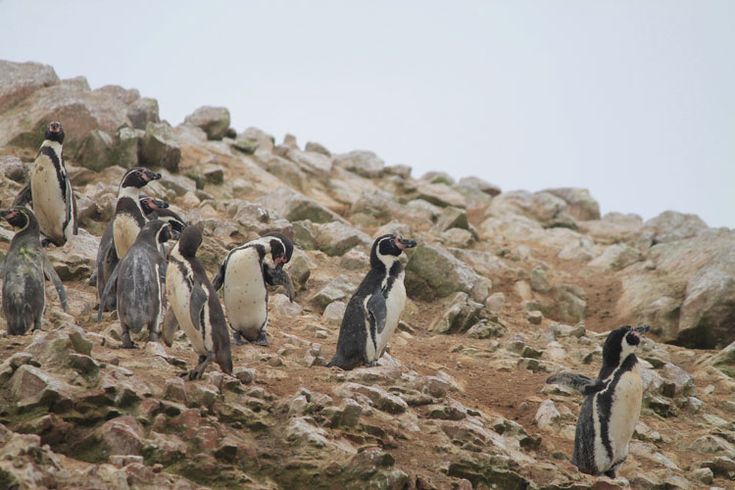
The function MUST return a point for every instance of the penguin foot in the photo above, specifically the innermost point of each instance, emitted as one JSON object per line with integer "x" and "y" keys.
{"x": 371, "y": 363}
{"x": 126, "y": 342}
{"x": 152, "y": 337}
{"x": 610, "y": 474}
{"x": 262, "y": 340}
{"x": 239, "y": 340}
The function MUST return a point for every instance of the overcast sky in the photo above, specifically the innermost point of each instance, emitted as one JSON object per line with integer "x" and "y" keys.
{"x": 634, "y": 100}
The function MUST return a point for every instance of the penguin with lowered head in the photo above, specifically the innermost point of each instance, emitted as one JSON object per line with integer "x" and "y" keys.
{"x": 373, "y": 312}
{"x": 196, "y": 305}
{"x": 244, "y": 274}
{"x": 612, "y": 404}
{"x": 49, "y": 192}
{"x": 138, "y": 281}
{"x": 24, "y": 292}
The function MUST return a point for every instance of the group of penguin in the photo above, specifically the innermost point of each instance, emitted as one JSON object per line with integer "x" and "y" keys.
{"x": 138, "y": 274}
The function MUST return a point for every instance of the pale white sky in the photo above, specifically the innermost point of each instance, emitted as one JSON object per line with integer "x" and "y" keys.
{"x": 634, "y": 100}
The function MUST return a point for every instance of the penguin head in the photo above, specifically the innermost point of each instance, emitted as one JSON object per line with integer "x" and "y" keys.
{"x": 190, "y": 240}
{"x": 19, "y": 217}
{"x": 387, "y": 248}
{"x": 149, "y": 204}
{"x": 159, "y": 229}
{"x": 138, "y": 177}
{"x": 54, "y": 132}
{"x": 281, "y": 248}
{"x": 620, "y": 343}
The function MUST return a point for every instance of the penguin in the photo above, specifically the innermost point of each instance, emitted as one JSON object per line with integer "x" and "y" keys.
{"x": 130, "y": 217}
{"x": 24, "y": 292}
{"x": 138, "y": 280}
{"x": 244, "y": 274}
{"x": 195, "y": 304}
{"x": 49, "y": 192}
{"x": 373, "y": 312}
{"x": 612, "y": 404}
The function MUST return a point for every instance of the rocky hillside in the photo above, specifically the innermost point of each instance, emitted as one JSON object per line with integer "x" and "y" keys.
{"x": 505, "y": 288}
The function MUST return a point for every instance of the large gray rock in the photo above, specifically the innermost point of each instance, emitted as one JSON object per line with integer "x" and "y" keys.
{"x": 690, "y": 299}
{"x": 542, "y": 207}
{"x": 143, "y": 111}
{"x": 215, "y": 121}
{"x": 671, "y": 225}
{"x": 96, "y": 151}
{"x": 580, "y": 204}
{"x": 19, "y": 80}
{"x": 79, "y": 109}
{"x": 614, "y": 228}
{"x": 365, "y": 163}
{"x": 432, "y": 272}
{"x": 310, "y": 161}
{"x": 336, "y": 238}
{"x": 159, "y": 148}
{"x": 481, "y": 185}
{"x": 461, "y": 314}
{"x": 295, "y": 206}
{"x": 440, "y": 194}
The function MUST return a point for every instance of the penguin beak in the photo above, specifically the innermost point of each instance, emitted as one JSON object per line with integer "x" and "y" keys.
{"x": 149, "y": 175}
{"x": 157, "y": 203}
{"x": 641, "y": 330}
{"x": 279, "y": 261}
{"x": 403, "y": 243}
{"x": 8, "y": 214}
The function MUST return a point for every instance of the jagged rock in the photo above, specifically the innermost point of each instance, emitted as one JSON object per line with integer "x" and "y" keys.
{"x": 214, "y": 121}
{"x": 448, "y": 411}
{"x": 301, "y": 429}
{"x": 31, "y": 386}
{"x": 451, "y": 217}
{"x": 480, "y": 185}
{"x": 713, "y": 444}
{"x": 245, "y": 375}
{"x": 13, "y": 168}
{"x": 485, "y": 329}
{"x": 365, "y": 163}
{"x": 295, "y": 207}
{"x": 568, "y": 304}
{"x": 334, "y": 312}
{"x": 580, "y": 204}
{"x": 129, "y": 143}
{"x": 338, "y": 288}
{"x": 539, "y": 280}
{"x": 617, "y": 257}
{"x": 317, "y": 148}
{"x": 542, "y": 207}
{"x": 441, "y": 195}
{"x": 143, "y": 111}
{"x": 160, "y": 148}
{"x": 546, "y": 415}
{"x": 670, "y": 226}
{"x": 381, "y": 399}
{"x": 461, "y": 314}
{"x": 314, "y": 163}
{"x": 458, "y": 238}
{"x": 347, "y": 414}
{"x": 534, "y": 317}
{"x": 725, "y": 360}
{"x": 681, "y": 383}
{"x": 96, "y": 151}
{"x": 432, "y": 273}
{"x": 336, "y": 238}
{"x": 399, "y": 170}
{"x": 19, "y": 80}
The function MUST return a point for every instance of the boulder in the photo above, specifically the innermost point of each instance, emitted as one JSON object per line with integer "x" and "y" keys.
{"x": 365, "y": 163}
{"x": 671, "y": 225}
{"x": 295, "y": 206}
{"x": 13, "y": 168}
{"x": 580, "y": 204}
{"x": 215, "y": 121}
{"x": 461, "y": 314}
{"x": 542, "y": 207}
{"x": 311, "y": 162}
{"x": 616, "y": 257}
{"x": 143, "y": 111}
{"x": 127, "y": 149}
{"x": 481, "y": 185}
{"x": 451, "y": 217}
{"x": 96, "y": 151}
{"x": 317, "y": 148}
{"x": 614, "y": 228}
{"x": 336, "y": 238}
{"x": 19, "y": 80}
{"x": 159, "y": 148}
{"x": 441, "y": 195}
{"x": 381, "y": 399}
{"x": 432, "y": 272}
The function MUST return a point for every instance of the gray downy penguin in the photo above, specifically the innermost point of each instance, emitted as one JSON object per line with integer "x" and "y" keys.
{"x": 138, "y": 280}
{"x": 373, "y": 312}
{"x": 49, "y": 192}
{"x": 196, "y": 305}
{"x": 244, "y": 274}
{"x": 107, "y": 261}
{"x": 612, "y": 404}
{"x": 127, "y": 222}
{"x": 24, "y": 292}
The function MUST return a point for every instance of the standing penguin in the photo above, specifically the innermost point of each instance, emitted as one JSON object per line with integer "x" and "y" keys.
{"x": 373, "y": 312}
{"x": 196, "y": 305}
{"x": 129, "y": 218}
{"x": 244, "y": 274}
{"x": 49, "y": 192}
{"x": 24, "y": 294}
{"x": 612, "y": 404}
{"x": 138, "y": 279}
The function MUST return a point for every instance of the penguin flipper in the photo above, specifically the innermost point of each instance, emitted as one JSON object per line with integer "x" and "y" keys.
{"x": 219, "y": 279}
{"x": 52, "y": 276}
{"x": 108, "y": 287}
{"x": 170, "y": 325}
{"x": 196, "y": 305}
{"x": 24, "y": 197}
{"x": 378, "y": 310}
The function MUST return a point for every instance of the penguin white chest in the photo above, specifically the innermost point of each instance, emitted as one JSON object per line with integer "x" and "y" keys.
{"x": 245, "y": 293}
{"x": 178, "y": 292}
{"x": 125, "y": 230}
{"x": 625, "y": 411}
{"x": 48, "y": 200}
{"x": 394, "y": 304}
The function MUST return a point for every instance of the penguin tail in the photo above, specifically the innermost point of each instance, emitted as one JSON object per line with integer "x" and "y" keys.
{"x": 573, "y": 380}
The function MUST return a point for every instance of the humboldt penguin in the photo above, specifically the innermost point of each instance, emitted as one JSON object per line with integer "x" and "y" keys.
{"x": 244, "y": 274}
{"x": 138, "y": 280}
{"x": 24, "y": 292}
{"x": 612, "y": 404}
{"x": 49, "y": 192}
{"x": 130, "y": 216}
{"x": 373, "y": 312}
{"x": 195, "y": 304}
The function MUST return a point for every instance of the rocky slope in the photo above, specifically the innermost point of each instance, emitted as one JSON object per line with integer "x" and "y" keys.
{"x": 505, "y": 288}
